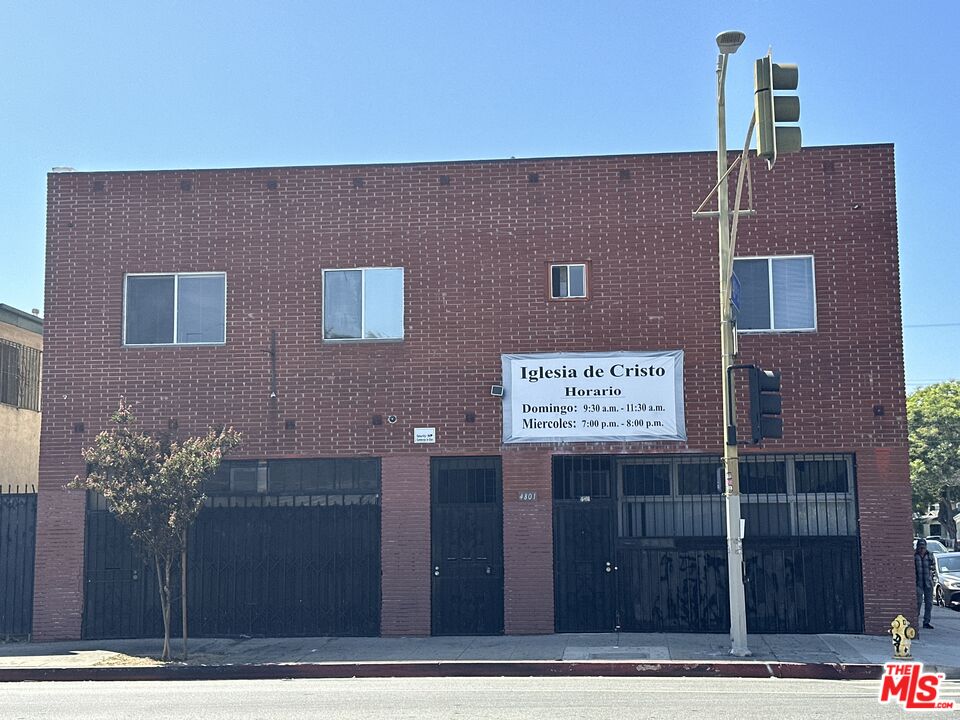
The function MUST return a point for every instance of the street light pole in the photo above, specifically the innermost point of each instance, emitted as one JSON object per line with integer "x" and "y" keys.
{"x": 729, "y": 42}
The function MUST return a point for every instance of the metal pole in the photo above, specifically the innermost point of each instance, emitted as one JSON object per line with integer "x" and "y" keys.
{"x": 738, "y": 613}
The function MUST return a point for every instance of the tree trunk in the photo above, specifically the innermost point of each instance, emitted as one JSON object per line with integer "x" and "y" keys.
{"x": 183, "y": 591}
{"x": 163, "y": 583}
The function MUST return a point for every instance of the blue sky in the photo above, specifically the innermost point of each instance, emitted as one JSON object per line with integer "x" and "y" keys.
{"x": 133, "y": 85}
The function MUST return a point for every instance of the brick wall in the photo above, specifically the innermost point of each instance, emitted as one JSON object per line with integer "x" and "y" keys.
{"x": 888, "y": 572}
{"x": 527, "y": 543}
{"x": 475, "y": 253}
{"x": 405, "y": 551}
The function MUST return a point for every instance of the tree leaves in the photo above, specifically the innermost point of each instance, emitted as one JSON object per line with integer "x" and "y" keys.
{"x": 152, "y": 483}
{"x": 933, "y": 421}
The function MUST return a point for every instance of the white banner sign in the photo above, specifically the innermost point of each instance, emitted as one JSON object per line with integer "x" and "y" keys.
{"x": 574, "y": 397}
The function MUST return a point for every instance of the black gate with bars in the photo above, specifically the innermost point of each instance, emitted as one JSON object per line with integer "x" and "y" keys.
{"x": 18, "y": 529}
{"x": 282, "y": 548}
{"x": 639, "y": 544}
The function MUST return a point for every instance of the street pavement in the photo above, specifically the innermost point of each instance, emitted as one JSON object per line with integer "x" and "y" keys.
{"x": 646, "y": 653}
{"x": 462, "y": 698}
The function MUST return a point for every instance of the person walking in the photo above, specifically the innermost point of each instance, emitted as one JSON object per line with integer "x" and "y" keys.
{"x": 923, "y": 567}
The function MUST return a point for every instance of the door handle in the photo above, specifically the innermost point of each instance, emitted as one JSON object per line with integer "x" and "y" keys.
{"x": 489, "y": 570}
{"x": 436, "y": 569}
{"x": 610, "y": 567}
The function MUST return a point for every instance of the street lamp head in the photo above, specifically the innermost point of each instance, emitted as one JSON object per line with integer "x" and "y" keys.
{"x": 730, "y": 41}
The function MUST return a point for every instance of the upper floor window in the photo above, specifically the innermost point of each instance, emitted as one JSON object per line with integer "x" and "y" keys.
{"x": 363, "y": 304}
{"x": 175, "y": 309}
{"x": 568, "y": 281}
{"x": 776, "y": 293}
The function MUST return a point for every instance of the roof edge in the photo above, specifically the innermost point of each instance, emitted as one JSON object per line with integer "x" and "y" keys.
{"x": 419, "y": 163}
{"x": 19, "y": 318}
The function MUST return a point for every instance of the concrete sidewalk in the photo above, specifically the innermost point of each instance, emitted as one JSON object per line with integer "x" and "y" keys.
{"x": 667, "y": 653}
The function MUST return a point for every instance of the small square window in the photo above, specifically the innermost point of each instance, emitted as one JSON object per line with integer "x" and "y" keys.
{"x": 568, "y": 281}
{"x": 363, "y": 304}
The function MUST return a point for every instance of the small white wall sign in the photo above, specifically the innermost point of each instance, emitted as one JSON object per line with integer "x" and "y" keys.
{"x": 424, "y": 435}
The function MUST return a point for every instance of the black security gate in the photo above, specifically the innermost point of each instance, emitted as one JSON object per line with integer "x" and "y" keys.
{"x": 466, "y": 521}
{"x": 585, "y": 560}
{"x": 285, "y": 548}
{"x": 18, "y": 527}
{"x": 809, "y": 586}
{"x": 662, "y": 519}
{"x": 120, "y": 585}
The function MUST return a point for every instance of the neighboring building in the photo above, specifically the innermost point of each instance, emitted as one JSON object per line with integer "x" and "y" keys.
{"x": 21, "y": 345}
{"x": 929, "y": 524}
{"x": 357, "y": 324}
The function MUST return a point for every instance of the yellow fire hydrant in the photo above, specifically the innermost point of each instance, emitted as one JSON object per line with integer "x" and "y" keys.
{"x": 903, "y": 635}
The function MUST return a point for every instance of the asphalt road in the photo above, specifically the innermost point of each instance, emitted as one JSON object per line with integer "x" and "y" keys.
{"x": 463, "y": 699}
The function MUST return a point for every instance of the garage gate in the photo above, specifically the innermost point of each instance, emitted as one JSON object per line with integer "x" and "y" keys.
{"x": 281, "y": 548}
{"x": 639, "y": 544}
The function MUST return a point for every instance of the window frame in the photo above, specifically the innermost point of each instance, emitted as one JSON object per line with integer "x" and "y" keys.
{"x": 176, "y": 286}
{"x": 770, "y": 298}
{"x": 11, "y": 379}
{"x": 363, "y": 300}
{"x": 665, "y": 461}
{"x": 586, "y": 280}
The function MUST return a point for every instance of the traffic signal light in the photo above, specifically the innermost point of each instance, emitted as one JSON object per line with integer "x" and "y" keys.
{"x": 773, "y": 140}
{"x": 765, "y": 404}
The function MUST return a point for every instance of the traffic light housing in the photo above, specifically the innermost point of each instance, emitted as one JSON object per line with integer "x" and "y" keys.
{"x": 765, "y": 404}
{"x": 772, "y": 139}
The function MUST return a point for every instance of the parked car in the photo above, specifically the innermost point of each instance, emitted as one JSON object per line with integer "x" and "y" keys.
{"x": 946, "y": 542}
{"x": 934, "y": 547}
{"x": 946, "y": 584}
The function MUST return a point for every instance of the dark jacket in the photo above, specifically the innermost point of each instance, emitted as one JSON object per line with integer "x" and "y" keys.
{"x": 923, "y": 565}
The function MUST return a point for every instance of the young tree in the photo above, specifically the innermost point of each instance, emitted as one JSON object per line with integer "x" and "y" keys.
{"x": 933, "y": 422}
{"x": 154, "y": 486}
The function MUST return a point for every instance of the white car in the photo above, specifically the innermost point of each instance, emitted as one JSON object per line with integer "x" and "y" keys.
{"x": 934, "y": 547}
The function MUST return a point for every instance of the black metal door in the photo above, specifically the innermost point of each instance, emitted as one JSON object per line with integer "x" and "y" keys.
{"x": 117, "y": 578}
{"x": 584, "y": 558}
{"x": 585, "y": 567}
{"x": 466, "y": 521}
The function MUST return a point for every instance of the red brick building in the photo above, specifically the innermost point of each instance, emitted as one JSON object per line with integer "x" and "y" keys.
{"x": 350, "y": 322}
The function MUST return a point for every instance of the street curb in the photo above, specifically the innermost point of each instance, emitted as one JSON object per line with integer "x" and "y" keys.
{"x": 460, "y": 668}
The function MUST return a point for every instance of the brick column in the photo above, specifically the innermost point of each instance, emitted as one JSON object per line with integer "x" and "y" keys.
{"x": 527, "y": 543}
{"x": 58, "y": 575}
{"x": 405, "y": 545}
{"x": 883, "y": 491}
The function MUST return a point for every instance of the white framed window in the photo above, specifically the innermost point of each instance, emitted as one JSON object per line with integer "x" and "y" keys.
{"x": 363, "y": 304}
{"x": 568, "y": 281}
{"x": 777, "y": 294}
{"x": 175, "y": 308}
